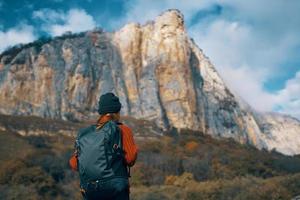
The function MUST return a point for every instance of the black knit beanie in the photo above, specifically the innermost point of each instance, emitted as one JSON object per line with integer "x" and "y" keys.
{"x": 109, "y": 103}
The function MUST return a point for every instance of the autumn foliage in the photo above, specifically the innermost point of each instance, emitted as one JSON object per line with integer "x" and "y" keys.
{"x": 183, "y": 165}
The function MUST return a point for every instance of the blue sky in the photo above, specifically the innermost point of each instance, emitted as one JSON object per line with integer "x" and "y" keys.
{"x": 255, "y": 45}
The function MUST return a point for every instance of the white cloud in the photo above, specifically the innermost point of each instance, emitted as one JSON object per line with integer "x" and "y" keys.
{"x": 289, "y": 98}
{"x": 248, "y": 84}
{"x": 49, "y": 16}
{"x": 20, "y": 34}
{"x": 237, "y": 43}
{"x": 57, "y": 22}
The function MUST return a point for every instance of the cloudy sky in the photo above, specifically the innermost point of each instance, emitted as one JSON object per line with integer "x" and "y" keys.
{"x": 255, "y": 45}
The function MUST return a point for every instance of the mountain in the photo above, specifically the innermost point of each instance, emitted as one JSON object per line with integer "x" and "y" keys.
{"x": 156, "y": 69}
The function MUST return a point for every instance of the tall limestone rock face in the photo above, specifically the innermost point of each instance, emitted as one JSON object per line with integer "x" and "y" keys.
{"x": 158, "y": 72}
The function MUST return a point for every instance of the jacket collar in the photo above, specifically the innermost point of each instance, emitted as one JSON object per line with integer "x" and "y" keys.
{"x": 102, "y": 120}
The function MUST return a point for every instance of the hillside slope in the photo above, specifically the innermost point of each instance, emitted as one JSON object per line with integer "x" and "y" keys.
{"x": 187, "y": 165}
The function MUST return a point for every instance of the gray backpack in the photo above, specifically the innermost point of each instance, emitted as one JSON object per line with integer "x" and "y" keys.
{"x": 100, "y": 153}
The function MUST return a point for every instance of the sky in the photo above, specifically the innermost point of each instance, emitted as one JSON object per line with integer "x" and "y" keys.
{"x": 255, "y": 45}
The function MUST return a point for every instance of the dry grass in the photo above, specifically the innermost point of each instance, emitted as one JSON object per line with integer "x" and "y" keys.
{"x": 186, "y": 165}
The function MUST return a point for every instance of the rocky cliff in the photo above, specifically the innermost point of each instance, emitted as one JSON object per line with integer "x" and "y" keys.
{"x": 280, "y": 132}
{"x": 158, "y": 72}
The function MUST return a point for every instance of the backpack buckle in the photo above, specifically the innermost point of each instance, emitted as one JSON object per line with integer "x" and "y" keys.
{"x": 115, "y": 146}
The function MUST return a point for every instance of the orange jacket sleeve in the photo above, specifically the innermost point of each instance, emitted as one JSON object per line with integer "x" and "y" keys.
{"x": 129, "y": 146}
{"x": 73, "y": 162}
